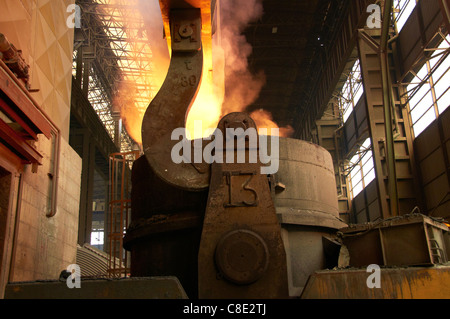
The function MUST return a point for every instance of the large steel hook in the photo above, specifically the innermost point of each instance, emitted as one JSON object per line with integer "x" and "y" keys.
{"x": 169, "y": 108}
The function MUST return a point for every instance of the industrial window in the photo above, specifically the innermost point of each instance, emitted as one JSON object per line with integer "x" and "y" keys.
{"x": 402, "y": 11}
{"x": 351, "y": 91}
{"x": 97, "y": 237}
{"x": 428, "y": 92}
{"x": 360, "y": 170}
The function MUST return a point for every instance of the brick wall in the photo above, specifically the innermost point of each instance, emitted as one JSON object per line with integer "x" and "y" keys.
{"x": 47, "y": 245}
{"x": 41, "y": 246}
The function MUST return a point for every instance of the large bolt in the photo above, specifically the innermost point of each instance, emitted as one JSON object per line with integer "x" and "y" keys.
{"x": 185, "y": 31}
{"x": 242, "y": 257}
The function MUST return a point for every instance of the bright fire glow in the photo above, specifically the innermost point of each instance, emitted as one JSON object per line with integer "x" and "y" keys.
{"x": 229, "y": 50}
{"x": 263, "y": 119}
{"x": 208, "y": 102}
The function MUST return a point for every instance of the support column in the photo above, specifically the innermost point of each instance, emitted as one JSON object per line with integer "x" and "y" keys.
{"x": 87, "y": 188}
{"x": 86, "y": 72}
{"x": 391, "y": 143}
{"x": 388, "y": 109}
{"x": 117, "y": 128}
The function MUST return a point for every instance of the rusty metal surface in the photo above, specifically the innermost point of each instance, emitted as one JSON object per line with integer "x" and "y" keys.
{"x": 241, "y": 252}
{"x": 150, "y": 195}
{"x": 412, "y": 239}
{"x": 168, "y": 253}
{"x": 165, "y": 230}
{"x": 13, "y": 59}
{"x": 242, "y": 256}
{"x": 395, "y": 283}
{"x": 168, "y": 109}
{"x": 206, "y": 13}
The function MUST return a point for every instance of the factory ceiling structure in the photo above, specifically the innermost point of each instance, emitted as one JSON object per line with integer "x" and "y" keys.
{"x": 92, "y": 91}
{"x": 289, "y": 43}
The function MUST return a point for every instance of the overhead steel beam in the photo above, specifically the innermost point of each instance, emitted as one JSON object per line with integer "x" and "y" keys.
{"x": 333, "y": 66}
{"x": 445, "y": 7}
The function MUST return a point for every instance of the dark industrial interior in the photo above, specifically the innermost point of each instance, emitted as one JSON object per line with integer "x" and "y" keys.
{"x": 313, "y": 160}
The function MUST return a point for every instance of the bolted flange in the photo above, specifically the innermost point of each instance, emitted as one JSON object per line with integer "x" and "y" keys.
{"x": 242, "y": 256}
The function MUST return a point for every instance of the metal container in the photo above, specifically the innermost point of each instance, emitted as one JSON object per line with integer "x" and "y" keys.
{"x": 408, "y": 240}
{"x": 166, "y": 224}
{"x": 305, "y": 197}
{"x": 165, "y": 231}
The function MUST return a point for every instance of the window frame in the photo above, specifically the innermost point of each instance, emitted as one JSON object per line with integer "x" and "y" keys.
{"x": 365, "y": 177}
{"x": 424, "y": 80}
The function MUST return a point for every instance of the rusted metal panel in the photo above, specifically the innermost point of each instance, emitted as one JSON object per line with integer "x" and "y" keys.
{"x": 27, "y": 152}
{"x": 205, "y": 7}
{"x": 432, "y": 166}
{"x": 21, "y": 99}
{"x": 395, "y": 283}
{"x": 165, "y": 230}
{"x": 432, "y": 151}
{"x": 408, "y": 240}
{"x": 14, "y": 60}
{"x": 240, "y": 230}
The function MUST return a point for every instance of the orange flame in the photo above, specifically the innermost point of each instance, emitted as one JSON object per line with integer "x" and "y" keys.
{"x": 225, "y": 65}
{"x": 207, "y": 104}
{"x": 144, "y": 39}
{"x": 228, "y": 58}
{"x": 263, "y": 119}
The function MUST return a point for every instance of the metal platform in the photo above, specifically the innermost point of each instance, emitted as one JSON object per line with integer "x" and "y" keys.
{"x": 395, "y": 283}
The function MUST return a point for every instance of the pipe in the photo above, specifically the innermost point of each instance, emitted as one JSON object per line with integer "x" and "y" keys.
{"x": 388, "y": 109}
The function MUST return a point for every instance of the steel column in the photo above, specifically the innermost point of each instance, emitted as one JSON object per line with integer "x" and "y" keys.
{"x": 388, "y": 107}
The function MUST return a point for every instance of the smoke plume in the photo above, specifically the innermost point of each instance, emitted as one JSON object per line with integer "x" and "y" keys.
{"x": 241, "y": 86}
